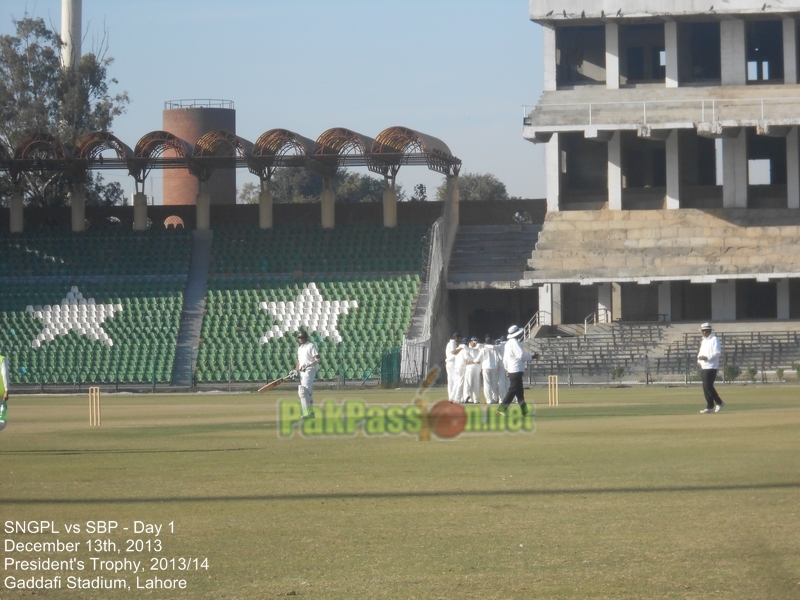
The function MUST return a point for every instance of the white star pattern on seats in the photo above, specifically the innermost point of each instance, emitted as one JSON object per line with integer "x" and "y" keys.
{"x": 75, "y": 313}
{"x": 309, "y": 311}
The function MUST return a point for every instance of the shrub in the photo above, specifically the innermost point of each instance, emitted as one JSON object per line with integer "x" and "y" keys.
{"x": 751, "y": 374}
{"x": 779, "y": 373}
{"x": 617, "y": 372}
{"x": 732, "y": 372}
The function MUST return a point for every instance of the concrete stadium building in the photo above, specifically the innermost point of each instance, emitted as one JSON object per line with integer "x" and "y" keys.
{"x": 672, "y": 160}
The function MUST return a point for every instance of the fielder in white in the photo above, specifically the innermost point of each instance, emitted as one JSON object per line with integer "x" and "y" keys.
{"x": 489, "y": 368}
{"x": 450, "y": 353}
{"x": 459, "y": 372}
{"x": 3, "y": 390}
{"x": 307, "y": 364}
{"x": 472, "y": 376}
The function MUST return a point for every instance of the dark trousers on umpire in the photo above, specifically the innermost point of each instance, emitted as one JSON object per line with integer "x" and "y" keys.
{"x": 712, "y": 397}
{"x": 515, "y": 390}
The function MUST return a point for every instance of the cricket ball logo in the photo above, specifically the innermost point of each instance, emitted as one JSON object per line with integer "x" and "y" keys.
{"x": 444, "y": 420}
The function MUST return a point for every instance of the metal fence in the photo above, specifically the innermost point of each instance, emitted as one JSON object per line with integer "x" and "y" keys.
{"x": 646, "y": 354}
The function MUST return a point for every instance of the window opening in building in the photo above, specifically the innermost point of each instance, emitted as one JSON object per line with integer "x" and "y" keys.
{"x": 764, "y": 53}
{"x": 642, "y": 55}
{"x": 580, "y": 56}
{"x": 759, "y": 172}
{"x": 699, "y": 58}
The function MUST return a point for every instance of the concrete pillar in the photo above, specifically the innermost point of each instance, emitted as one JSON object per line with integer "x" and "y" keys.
{"x": 671, "y": 50}
{"x": 71, "y": 21}
{"x": 550, "y": 53}
{"x": 328, "y": 202}
{"x": 665, "y": 300}
{"x": 792, "y": 169}
{"x": 673, "y": 171}
{"x": 733, "y": 47}
{"x": 77, "y": 202}
{"x": 723, "y": 300}
{"x": 789, "y": 51}
{"x": 783, "y": 299}
{"x": 734, "y": 171}
{"x": 615, "y": 172}
{"x": 557, "y": 303}
{"x": 139, "y": 211}
{"x": 454, "y": 197}
{"x": 16, "y": 221}
{"x": 265, "y": 206}
{"x": 552, "y": 159}
{"x": 616, "y": 302}
{"x": 389, "y": 205}
{"x": 550, "y": 304}
{"x": 604, "y": 303}
{"x": 546, "y": 304}
{"x": 203, "y": 207}
{"x": 612, "y": 56}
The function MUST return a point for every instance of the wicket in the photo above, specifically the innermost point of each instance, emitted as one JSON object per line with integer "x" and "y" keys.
{"x": 94, "y": 407}
{"x": 552, "y": 390}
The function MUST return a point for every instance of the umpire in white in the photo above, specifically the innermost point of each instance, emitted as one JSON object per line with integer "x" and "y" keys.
{"x": 514, "y": 359}
{"x": 708, "y": 358}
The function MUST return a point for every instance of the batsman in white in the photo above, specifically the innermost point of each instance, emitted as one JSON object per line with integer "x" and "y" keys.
{"x": 307, "y": 364}
{"x": 3, "y": 390}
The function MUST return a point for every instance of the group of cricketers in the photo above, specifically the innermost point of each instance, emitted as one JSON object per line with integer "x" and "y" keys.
{"x": 501, "y": 363}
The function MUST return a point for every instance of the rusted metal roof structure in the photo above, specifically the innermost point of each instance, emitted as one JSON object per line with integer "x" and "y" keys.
{"x": 278, "y": 148}
{"x": 397, "y": 146}
{"x": 149, "y": 154}
{"x": 335, "y": 148}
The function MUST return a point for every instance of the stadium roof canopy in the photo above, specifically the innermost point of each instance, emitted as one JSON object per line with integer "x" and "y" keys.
{"x": 276, "y": 148}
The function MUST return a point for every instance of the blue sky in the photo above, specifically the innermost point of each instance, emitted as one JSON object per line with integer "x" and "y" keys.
{"x": 459, "y": 70}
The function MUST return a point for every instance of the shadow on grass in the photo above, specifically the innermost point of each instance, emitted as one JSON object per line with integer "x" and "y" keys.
{"x": 417, "y": 494}
{"x": 132, "y": 451}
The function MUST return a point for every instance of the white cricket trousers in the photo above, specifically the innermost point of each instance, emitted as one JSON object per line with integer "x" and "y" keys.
{"x": 472, "y": 384}
{"x": 451, "y": 380}
{"x": 502, "y": 383}
{"x": 490, "y": 389}
{"x": 306, "y": 389}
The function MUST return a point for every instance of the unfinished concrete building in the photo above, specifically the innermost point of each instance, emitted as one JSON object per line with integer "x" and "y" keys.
{"x": 673, "y": 169}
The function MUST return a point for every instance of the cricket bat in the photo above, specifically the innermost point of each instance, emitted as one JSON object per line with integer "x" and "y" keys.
{"x": 274, "y": 383}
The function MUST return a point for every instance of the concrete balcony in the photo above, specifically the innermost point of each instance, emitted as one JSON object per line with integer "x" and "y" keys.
{"x": 653, "y": 110}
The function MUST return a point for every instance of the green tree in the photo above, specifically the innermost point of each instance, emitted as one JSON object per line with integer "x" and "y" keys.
{"x": 100, "y": 193}
{"x": 301, "y": 185}
{"x": 248, "y": 193}
{"x": 476, "y": 186}
{"x": 38, "y": 96}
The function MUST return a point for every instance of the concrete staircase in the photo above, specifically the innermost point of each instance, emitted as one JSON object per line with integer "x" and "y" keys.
{"x": 194, "y": 303}
{"x": 491, "y": 253}
{"x": 416, "y": 325}
{"x": 640, "y": 245}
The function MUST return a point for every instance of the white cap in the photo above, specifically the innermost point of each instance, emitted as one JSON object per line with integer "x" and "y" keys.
{"x": 514, "y": 331}
{"x": 705, "y": 326}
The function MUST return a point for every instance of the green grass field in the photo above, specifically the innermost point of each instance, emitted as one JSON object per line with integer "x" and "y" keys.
{"x": 619, "y": 493}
